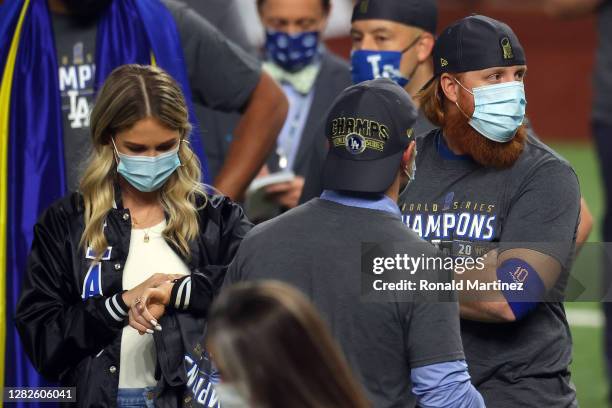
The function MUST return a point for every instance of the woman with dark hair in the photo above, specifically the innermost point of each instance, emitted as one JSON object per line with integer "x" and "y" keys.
{"x": 272, "y": 350}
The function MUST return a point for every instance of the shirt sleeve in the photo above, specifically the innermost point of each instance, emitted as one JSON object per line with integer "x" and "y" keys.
{"x": 222, "y": 76}
{"x": 445, "y": 385}
{"x": 57, "y": 328}
{"x": 544, "y": 215}
{"x": 195, "y": 292}
{"x": 432, "y": 333}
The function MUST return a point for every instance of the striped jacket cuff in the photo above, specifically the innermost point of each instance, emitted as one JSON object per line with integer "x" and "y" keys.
{"x": 116, "y": 307}
{"x": 181, "y": 293}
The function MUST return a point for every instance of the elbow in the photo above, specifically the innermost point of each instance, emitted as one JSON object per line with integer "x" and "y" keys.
{"x": 504, "y": 314}
{"x": 498, "y": 312}
{"x": 38, "y": 357}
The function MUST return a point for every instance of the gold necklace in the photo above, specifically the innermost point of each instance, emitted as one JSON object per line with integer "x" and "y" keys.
{"x": 146, "y": 230}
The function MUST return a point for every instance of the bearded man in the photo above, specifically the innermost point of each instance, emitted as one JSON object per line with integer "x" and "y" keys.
{"x": 486, "y": 185}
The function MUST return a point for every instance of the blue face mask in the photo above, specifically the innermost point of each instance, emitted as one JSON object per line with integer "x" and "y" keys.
{"x": 368, "y": 64}
{"x": 499, "y": 110}
{"x": 147, "y": 173}
{"x": 292, "y": 52}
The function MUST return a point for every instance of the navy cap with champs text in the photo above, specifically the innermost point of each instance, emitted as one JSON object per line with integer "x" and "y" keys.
{"x": 369, "y": 126}
{"x": 474, "y": 43}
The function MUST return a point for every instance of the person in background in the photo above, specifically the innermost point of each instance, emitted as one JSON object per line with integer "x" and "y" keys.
{"x": 141, "y": 219}
{"x": 395, "y": 39}
{"x": 270, "y": 327}
{"x": 390, "y": 39}
{"x": 486, "y": 186}
{"x": 54, "y": 62}
{"x": 310, "y": 76}
{"x": 221, "y": 76}
{"x": 404, "y": 353}
{"x": 601, "y": 126}
{"x": 218, "y": 126}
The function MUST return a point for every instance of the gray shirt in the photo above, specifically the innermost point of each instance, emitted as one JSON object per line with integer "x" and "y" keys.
{"x": 225, "y": 16}
{"x": 317, "y": 248}
{"x": 602, "y": 104}
{"x": 222, "y": 76}
{"x": 536, "y": 202}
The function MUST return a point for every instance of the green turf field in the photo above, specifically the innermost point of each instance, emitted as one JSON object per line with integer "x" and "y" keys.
{"x": 588, "y": 368}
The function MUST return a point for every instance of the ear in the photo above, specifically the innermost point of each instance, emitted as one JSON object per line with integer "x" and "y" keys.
{"x": 449, "y": 87}
{"x": 408, "y": 155}
{"x": 425, "y": 46}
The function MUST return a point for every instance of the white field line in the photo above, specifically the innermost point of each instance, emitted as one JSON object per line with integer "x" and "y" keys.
{"x": 585, "y": 317}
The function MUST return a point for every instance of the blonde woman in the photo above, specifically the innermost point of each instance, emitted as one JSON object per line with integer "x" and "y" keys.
{"x": 141, "y": 220}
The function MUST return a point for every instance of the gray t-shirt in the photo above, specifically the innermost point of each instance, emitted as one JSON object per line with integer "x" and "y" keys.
{"x": 222, "y": 76}
{"x": 602, "y": 104}
{"x": 536, "y": 201}
{"x": 225, "y": 16}
{"x": 317, "y": 248}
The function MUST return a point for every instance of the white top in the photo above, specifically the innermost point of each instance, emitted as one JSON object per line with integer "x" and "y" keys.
{"x": 137, "y": 363}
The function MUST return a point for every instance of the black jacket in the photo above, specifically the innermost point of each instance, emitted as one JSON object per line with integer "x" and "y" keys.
{"x": 74, "y": 337}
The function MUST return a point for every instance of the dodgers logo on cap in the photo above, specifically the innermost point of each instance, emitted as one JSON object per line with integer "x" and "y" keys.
{"x": 355, "y": 143}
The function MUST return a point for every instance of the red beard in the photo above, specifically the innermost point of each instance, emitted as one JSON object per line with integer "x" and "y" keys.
{"x": 482, "y": 150}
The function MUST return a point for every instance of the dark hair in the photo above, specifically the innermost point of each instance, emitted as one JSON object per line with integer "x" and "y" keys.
{"x": 267, "y": 339}
{"x": 325, "y": 3}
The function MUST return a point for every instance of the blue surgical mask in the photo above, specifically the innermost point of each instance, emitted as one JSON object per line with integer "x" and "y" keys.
{"x": 291, "y": 52}
{"x": 499, "y": 110}
{"x": 369, "y": 64}
{"x": 147, "y": 173}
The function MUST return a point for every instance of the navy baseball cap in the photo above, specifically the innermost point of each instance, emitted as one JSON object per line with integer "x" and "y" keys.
{"x": 416, "y": 13}
{"x": 474, "y": 43}
{"x": 369, "y": 126}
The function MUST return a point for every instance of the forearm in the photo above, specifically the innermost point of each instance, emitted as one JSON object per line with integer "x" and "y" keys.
{"x": 486, "y": 306}
{"x": 585, "y": 225}
{"x": 488, "y": 312}
{"x": 254, "y": 138}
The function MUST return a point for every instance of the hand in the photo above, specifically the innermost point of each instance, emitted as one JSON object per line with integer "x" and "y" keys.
{"x": 286, "y": 194}
{"x": 154, "y": 281}
{"x": 144, "y": 314}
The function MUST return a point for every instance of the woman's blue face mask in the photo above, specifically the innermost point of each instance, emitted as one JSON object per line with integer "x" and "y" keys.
{"x": 147, "y": 173}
